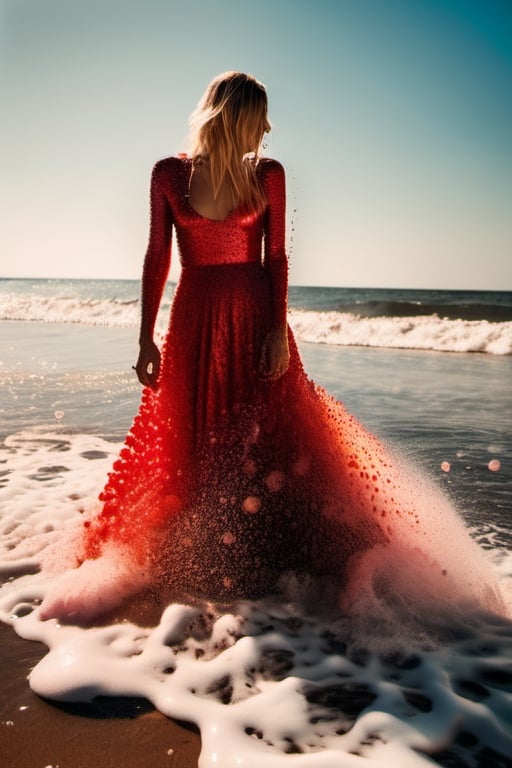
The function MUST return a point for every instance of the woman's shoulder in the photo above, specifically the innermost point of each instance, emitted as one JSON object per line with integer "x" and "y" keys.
{"x": 169, "y": 170}
{"x": 272, "y": 175}
{"x": 172, "y": 163}
{"x": 270, "y": 165}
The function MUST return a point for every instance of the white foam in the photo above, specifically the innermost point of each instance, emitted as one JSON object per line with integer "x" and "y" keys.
{"x": 260, "y": 679}
{"x": 49, "y": 480}
{"x": 69, "y": 309}
{"x": 266, "y": 679}
{"x": 418, "y": 332}
{"x": 423, "y": 332}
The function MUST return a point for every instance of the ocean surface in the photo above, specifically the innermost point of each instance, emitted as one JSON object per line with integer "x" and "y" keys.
{"x": 276, "y": 684}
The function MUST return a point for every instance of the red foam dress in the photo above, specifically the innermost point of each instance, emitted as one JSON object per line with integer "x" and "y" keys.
{"x": 226, "y": 481}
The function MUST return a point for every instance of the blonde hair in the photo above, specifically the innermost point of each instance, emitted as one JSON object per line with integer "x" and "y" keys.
{"x": 227, "y": 129}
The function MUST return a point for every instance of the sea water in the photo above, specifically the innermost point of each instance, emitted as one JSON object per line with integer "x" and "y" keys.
{"x": 285, "y": 682}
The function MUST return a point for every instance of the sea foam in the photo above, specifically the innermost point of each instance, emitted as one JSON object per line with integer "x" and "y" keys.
{"x": 280, "y": 682}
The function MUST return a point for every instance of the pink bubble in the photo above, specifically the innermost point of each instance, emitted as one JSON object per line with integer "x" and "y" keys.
{"x": 228, "y": 538}
{"x": 494, "y": 465}
{"x": 251, "y": 505}
{"x": 446, "y": 466}
{"x": 274, "y": 480}
{"x": 59, "y": 415}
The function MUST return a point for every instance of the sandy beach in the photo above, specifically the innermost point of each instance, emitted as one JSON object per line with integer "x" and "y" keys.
{"x": 35, "y": 733}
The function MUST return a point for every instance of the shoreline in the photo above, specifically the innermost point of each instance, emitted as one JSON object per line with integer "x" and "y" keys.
{"x": 109, "y": 732}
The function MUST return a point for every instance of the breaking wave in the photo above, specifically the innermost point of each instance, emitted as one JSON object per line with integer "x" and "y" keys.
{"x": 407, "y": 327}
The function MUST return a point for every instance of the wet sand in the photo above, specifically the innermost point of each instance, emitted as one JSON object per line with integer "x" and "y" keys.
{"x": 107, "y": 733}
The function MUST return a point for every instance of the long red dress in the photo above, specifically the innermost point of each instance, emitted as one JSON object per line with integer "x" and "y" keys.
{"x": 227, "y": 481}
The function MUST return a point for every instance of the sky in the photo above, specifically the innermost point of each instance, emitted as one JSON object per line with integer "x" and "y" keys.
{"x": 393, "y": 119}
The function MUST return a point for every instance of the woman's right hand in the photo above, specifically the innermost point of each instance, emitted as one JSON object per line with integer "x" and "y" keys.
{"x": 275, "y": 355}
{"x": 147, "y": 366}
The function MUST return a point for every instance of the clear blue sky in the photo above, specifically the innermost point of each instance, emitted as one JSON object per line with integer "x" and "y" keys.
{"x": 393, "y": 119}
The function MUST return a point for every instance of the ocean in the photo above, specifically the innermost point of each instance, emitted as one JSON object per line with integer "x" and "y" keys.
{"x": 430, "y": 373}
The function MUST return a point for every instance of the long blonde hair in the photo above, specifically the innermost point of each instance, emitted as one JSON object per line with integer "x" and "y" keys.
{"x": 227, "y": 129}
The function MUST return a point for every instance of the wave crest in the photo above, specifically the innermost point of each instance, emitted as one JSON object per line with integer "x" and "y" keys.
{"x": 417, "y": 332}
{"x": 426, "y": 332}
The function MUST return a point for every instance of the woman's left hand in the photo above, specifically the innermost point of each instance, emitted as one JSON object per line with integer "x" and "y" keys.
{"x": 275, "y": 355}
{"x": 147, "y": 367}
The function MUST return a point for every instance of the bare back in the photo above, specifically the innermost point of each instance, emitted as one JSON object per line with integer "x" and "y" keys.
{"x": 201, "y": 196}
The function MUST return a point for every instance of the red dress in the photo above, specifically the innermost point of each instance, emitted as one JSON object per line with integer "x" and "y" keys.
{"x": 226, "y": 481}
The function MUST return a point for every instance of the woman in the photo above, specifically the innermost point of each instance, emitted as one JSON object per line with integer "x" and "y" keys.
{"x": 239, "y": 471}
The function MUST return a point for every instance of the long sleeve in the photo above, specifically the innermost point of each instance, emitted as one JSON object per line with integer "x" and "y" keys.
{"x": 275, "y": 260}
{"x": 158, "y": 255}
